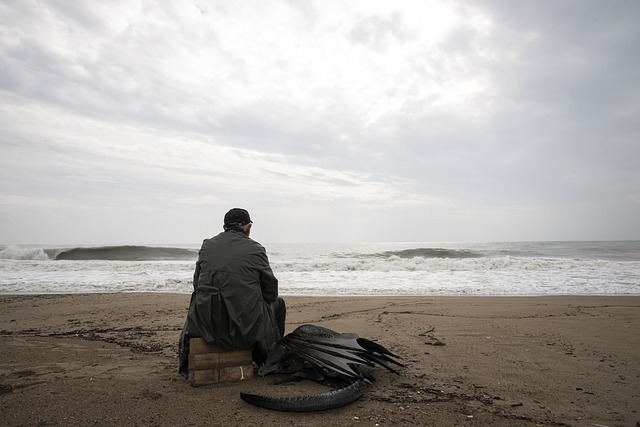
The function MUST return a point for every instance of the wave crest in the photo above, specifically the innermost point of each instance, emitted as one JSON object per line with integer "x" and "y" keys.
{"x": 127, "y": 253}
{"x": 22, "y": 253}
{"x": 430, "y": 253}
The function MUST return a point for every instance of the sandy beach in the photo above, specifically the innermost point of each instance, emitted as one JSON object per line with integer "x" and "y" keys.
{"x": 110, "y": 359}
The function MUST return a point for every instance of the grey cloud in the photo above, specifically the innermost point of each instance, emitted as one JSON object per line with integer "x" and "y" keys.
{"x": 554, "y": 130}
{"x": 377, "y": 31}
{"x": 81, "y": 14}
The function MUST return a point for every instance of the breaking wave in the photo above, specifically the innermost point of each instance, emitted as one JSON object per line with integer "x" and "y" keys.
{"x": 106, "y": 253}
{"x": 22, "y": 253}
{"x": 428, "y": 253}
{"x": 127, "y": 253}
{"x": 525, "y": 268}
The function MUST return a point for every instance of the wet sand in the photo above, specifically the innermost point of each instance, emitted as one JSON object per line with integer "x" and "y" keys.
{"x": 110, "y": 359}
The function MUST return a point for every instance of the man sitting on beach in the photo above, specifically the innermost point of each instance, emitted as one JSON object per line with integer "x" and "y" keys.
{"x": 235, "y": 301}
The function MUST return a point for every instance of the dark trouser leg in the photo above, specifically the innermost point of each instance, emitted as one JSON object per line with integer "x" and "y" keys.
{"x": 280, "y": 311}
{"x": 281, "y": 314}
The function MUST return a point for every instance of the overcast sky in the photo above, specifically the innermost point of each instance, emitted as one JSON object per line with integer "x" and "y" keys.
{"x": 143, "y": 122}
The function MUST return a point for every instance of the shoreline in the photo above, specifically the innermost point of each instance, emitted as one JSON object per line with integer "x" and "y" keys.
{"x": 110, "y": 358}
{"x": 9, "y": 294}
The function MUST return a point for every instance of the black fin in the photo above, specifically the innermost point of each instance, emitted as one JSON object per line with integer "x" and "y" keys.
{"x": 338, "y": 353}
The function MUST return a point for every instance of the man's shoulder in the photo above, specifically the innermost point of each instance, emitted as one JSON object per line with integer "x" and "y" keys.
{"x": 234, "y": 238}
{"x": 212, "y": 240}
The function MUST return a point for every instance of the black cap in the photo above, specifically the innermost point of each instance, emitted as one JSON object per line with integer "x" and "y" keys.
{"x": 237, "y": 216}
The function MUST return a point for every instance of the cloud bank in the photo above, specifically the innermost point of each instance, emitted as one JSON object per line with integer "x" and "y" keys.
{"x": 144, "y": 121}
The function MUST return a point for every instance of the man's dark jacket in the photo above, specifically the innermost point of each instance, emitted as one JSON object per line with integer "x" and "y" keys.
{"x": 232, "y": 302}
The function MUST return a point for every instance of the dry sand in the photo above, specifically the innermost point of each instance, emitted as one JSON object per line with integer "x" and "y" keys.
{"x": 471, "y": 361}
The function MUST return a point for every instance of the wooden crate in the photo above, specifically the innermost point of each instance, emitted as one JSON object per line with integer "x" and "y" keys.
{"x": 210, "y": 364}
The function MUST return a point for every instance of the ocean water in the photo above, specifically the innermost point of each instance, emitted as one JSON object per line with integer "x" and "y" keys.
{"x": 501, "y": 268}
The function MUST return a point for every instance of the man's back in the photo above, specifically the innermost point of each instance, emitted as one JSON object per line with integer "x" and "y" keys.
{"x": 235, "y": 263}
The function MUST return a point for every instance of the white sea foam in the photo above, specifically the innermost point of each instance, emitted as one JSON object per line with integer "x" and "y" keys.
{"x": 363, "y": 269}
{"x": 24, "y": 253}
